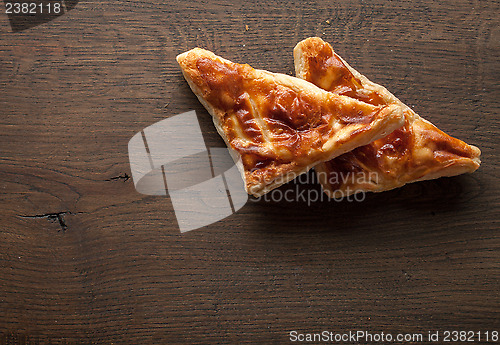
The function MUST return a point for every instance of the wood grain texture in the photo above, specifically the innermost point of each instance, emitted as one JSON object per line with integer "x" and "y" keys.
{"x": 86, "y": 259}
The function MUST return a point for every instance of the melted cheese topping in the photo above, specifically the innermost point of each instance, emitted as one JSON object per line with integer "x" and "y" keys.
{"x": 269, "y": 122}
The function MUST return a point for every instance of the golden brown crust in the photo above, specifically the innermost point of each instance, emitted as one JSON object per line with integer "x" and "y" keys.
{"x": 279, "y": 125}
{"x": 417, "y": 151}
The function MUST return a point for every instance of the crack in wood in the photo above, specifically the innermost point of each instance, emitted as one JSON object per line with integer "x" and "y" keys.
{"x": 125, "y": 177}
{"x": 53, "y": 217}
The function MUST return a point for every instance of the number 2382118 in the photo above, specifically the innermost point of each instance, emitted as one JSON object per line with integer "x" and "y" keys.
{"x": 33, "y": 8}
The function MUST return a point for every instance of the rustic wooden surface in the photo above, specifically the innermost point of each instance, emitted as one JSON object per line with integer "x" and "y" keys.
{"x": 84, "y": 258}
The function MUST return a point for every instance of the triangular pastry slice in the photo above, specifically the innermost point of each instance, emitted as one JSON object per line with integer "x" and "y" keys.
{"x": 280, "y": 126}
{"x": 417, "y": 151}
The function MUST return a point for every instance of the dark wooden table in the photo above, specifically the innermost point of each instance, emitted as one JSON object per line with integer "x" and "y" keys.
{"x": 84, "y": 258}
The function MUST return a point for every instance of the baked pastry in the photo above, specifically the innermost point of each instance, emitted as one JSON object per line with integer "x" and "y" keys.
{"x": 280, "y": 126}
{"x": 415, "y": 152}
